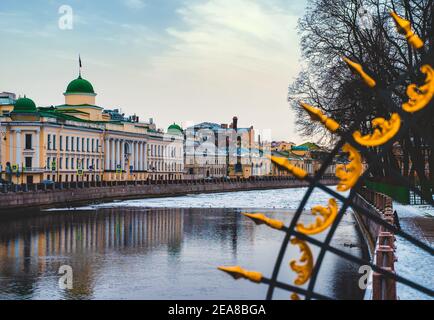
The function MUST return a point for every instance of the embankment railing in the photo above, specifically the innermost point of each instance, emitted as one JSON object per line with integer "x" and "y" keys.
{"x": 6, "y": 188}
{"x": 384, "y": 255}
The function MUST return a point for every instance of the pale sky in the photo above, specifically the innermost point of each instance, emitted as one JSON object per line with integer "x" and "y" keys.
{"x": 171, "y": 60}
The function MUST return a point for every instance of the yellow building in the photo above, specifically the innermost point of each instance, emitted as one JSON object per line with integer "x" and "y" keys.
{"x": 80, "y": 141}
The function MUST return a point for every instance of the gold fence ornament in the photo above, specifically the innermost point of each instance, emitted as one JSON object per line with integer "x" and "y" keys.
{"x": 237, "y": 273}
{"x": 350, "y": 173}
{"x": 304, "y": 271}
{"x": 404, "y": 27}
{"x": 284, "y": 163}
{"x": 260, "y": 218}
{"x": 384, "y": 130}
{"x": 327, "y": 216}
{"x": 421, "y": 96}
{"x": 295, "y": 297}
{"x": 359, "y": 69}
{"x": 317, "y": 115}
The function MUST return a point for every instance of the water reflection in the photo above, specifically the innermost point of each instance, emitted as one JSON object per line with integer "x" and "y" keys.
{"x": 132, "y": 253}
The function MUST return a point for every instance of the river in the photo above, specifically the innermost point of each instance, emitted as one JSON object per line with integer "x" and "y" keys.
{"x": 165, "y": 249}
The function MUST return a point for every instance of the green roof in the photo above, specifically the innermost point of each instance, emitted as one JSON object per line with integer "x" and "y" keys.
{"x": 310, "y": 146}
{"x": 174, "y": 128}
{"x": 80, "y": 85}
{"x": 24, "y": 105}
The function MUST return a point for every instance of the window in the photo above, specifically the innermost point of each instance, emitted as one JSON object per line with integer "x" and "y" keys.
{"x": 29, "y": 142}
{"x": 87, "y": 144}
{"x": 67, "y": 143}
{"x": 72, "y": 163}
{"x": 93, "y": 145}
{"x": 97, "y": 145}
{"x": 60, "y": 162}
{"x": 61, "y": 143}
{"x": 67, "y": 163}
{"x": 87, "y": 163}
{"x": 97, "y": 164}
{"x": 82, "y": 144}
{"x": 28, "y": 162}
{"x": 78, "y": 144}
{"x": 54, "y": 142}
{"x": 49, "y": 142}
{"x": 48, "y": 162}
{"x": 72, "y": 143}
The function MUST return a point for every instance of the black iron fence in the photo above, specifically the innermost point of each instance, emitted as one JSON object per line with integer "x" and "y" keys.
{"x": 7, "y": 188}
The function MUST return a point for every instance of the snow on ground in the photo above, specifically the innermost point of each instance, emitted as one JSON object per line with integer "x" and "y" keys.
{"x": 413, "y": 263}
{"x": 413, "y": 210}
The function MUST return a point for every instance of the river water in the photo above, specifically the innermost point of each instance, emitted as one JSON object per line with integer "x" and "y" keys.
{"x": 165, "y": 249}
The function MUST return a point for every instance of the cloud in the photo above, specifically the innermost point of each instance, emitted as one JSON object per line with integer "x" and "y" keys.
{"x": 242, "y": 31}
{"x": 232, "y": 55}
{"x": 135, "y": 4}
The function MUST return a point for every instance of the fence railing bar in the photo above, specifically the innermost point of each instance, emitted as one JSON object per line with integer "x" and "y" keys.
{"x": 380, "y": 221}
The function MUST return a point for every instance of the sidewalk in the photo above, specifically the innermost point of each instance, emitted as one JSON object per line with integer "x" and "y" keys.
{"x": 414, "y": 263}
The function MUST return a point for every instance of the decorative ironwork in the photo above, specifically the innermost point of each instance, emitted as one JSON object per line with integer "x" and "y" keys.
{"x": 352, "y": 176}
{"x": 237, "y": 273}
{"x": 384, "y": 130}
{"x": 259, "y": 219}
{"x": 404, "y": 28}
{"x": 284, "y": 163}
{"x": 359, "y": 69}
{"x": 303, "y": 271}
{"x": 328, "y": 215}
{"x": 421, "y": 96}
{"x": 349, "y": 174}
{"x": 317, "y": 115}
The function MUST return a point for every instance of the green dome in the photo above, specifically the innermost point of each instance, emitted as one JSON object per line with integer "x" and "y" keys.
{"x": 80, "y": 85}
{"x": 174, "y": 128}
{"x": 24, "y": 105}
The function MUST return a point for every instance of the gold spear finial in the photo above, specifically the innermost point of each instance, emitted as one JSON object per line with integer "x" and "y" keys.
{"x": 259, "y": 218}
{"x": 404, "y": 28}
{"x": 317, "y": 115}
{"x": 284, "y": 163}
{"x": 359, "y": 69}
{"x": 237, "y": 273}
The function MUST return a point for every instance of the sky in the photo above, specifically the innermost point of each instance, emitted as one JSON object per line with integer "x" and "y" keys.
{"x": 183, "y": 61}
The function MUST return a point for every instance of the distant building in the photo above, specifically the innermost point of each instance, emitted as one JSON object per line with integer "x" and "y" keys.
{"x": 213, "y": 150}
{"x": 314, "y": 157}
{"x": 7, "y": 101}
{"x": 281, "y": 146}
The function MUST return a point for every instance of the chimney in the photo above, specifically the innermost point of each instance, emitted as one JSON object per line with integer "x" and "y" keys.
{"x": 235, "y": 123}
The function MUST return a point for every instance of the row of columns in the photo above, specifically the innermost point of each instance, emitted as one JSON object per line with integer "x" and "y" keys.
{"x": 115, "y": 154}
{"x": 19, "y": 147}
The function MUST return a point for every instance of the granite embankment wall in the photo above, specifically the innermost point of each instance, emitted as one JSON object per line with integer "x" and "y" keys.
{"x": 74, "y": 194}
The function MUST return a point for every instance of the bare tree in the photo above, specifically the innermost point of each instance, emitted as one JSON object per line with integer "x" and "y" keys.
{"x": 364, "y": 32}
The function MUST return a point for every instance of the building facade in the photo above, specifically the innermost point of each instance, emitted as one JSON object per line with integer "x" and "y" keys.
{"x": 219, "y": 150}
{"x": 80, "y": 141}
